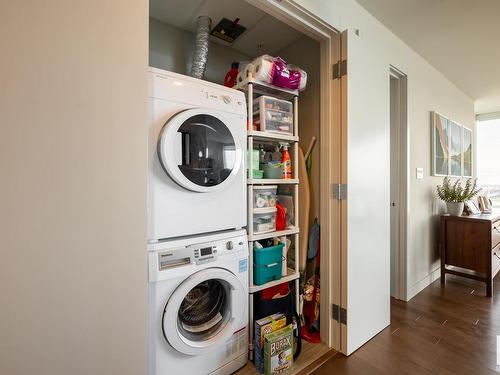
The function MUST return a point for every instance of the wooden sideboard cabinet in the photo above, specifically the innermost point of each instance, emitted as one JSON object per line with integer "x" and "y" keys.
{"x": 470, "y": 247}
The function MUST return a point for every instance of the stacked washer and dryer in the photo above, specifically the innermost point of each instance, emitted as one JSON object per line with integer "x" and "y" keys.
{"x": 198, "y": 251}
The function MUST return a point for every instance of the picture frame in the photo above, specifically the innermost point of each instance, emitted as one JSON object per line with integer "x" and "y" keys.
{"x": 467, "y": 144}
{"x": 440, "y": 141}
{"x": 472, "y": 208}
{"x": 455, "y": 149}
{"x": 452, "y": 147}
{"x": 485, "y": 204}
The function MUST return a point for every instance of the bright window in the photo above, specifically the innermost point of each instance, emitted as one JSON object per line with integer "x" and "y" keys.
{"x": 488, "y": 158}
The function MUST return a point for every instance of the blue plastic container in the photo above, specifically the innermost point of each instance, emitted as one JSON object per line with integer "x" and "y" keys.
{"x": 267, "y": 264}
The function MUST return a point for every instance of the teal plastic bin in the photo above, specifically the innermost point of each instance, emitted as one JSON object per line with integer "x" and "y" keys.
{"x": 267, "y": 264}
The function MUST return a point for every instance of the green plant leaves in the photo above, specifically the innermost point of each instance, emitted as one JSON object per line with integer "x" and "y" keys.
{"x": 455, "y": 192}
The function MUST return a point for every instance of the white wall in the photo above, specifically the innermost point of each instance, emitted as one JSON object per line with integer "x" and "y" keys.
{"x": 73, "y": 138}
{"x": 172, "y": 49}
{"x": 369, "y": 58}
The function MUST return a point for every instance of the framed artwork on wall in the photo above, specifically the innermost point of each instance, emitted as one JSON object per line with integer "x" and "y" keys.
{"x": 455, "y": 149}
{"x": 451, "y": 147}
{"x": 467, "y": 152}
{"x": 440, "y": 140}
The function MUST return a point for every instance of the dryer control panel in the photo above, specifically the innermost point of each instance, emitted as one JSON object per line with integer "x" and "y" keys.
{"x": 195, "y": 92}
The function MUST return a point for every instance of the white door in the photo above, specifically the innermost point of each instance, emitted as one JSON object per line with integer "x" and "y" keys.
{"x": 366, "y": 211}
{"x": 204, "y": 311}
{"x": 198, "y": 150}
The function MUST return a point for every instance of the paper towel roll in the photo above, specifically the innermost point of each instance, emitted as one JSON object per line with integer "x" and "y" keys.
{"x": 240, "y": 77}
{"x": 249, "y": 70}
{"x": 244, "y": 73}
{"x": 263, "y": 69}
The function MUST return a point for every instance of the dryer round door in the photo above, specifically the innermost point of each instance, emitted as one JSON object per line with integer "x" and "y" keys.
{"x": 204, "y": 311}
{"x": 199, "y": 151}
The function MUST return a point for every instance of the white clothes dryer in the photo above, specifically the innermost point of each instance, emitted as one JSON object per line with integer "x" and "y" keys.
{"x": 197, "y": 139}
{"x": 198, "y": 305}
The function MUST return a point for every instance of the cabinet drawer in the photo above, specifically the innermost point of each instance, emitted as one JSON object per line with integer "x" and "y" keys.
{"x": 495, "y": 262}
{"x": 495, "y": 226}
{"x": 495, "y": 237}
{"x": 495, "y": 234}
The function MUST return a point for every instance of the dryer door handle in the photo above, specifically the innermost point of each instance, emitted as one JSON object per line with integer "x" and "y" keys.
{"x": 178, "y": 148}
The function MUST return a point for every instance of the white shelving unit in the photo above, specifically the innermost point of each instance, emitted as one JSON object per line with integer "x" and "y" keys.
{"x": 272, "y": 181}
{"x": 252, "y": 88}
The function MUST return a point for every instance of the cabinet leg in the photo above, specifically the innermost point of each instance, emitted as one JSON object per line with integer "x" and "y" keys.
{"x": 489, "y": 288}
{"x": 443, "y": 275}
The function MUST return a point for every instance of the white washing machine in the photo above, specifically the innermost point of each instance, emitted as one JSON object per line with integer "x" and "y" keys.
{"x": 197, "y": 139}
{"x": 198, "y": 305}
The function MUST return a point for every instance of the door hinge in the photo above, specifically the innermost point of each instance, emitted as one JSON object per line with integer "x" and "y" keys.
{"x": 339, "y": 69}
{"x": 339, "y": 314}
{"x": 340, "y": 191}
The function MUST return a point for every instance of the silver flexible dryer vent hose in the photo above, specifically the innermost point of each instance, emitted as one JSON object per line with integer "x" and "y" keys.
{"x": 203, "y": 25}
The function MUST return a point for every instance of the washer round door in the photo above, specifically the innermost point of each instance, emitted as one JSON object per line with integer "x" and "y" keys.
{"x": 204, "y": 311}
{"x": 198, "y": 150}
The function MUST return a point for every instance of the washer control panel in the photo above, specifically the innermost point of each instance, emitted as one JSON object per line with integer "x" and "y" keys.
{"x": 205, "y": 254}
{"x": 210, "y": 252}
{"x": 180, "y": 254}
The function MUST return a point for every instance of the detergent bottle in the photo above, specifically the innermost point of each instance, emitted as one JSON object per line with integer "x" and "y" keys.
{"x": 286, "y": 161}
{"x": 230, "y": 78}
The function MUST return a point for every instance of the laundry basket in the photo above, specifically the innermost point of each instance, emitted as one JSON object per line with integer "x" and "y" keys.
{"x": 267, "y": 264}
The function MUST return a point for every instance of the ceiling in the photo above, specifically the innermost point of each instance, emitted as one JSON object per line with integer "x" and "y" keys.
{"x": 458, "y": 37}
{"x": 264, "y": 33}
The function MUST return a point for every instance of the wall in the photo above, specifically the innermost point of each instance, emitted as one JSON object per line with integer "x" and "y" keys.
{"x": 73, "y": 273}
{"x": 370, "y": 55}
{"x": 171, "y": 48}
{"x": 306, "y": 54}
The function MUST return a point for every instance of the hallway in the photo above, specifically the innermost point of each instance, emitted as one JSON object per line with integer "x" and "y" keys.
{"x": 443, "y": 330}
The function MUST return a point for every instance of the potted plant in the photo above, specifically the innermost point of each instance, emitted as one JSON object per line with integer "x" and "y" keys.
{"x": 455, "y": 195}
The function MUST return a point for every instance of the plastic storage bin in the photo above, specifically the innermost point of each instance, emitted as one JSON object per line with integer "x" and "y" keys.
{"x": 264, "y": 196}
{"x": 273, "y": 115}
{"x": 267, "y": 264}
{"x": 264, "y": 220}
{"x": 272, "y": 170}
{"x": 257, "y": 174}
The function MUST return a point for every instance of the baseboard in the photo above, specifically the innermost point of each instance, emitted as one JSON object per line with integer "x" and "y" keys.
{"x": 422, "y": 284}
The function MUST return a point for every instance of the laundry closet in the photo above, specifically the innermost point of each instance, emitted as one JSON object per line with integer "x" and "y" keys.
{"x": 285, "y": 193}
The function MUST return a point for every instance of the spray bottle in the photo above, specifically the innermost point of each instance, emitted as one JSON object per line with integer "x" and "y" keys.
{"x": 286, "y": 161}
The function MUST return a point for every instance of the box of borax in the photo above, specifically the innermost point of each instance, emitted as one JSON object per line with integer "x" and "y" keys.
{"x": 278, "y": 351}
{"x": 263, "y": 327}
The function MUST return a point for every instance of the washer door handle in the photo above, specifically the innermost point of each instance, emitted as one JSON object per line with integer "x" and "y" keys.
{"x": 237, "y": 298}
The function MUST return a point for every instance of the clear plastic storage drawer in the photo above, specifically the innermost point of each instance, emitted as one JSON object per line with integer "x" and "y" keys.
{"x": 264, "y": 196}
{"x": 264, "y": 220}
{"x": 273, "y": 115}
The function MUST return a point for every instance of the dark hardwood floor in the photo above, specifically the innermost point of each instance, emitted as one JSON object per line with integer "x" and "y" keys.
{"x": 443, "y": 330}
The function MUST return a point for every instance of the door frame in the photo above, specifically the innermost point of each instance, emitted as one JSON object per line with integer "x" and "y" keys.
{"x": 400, "y": 262}
{"x": 332, "y": 164}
